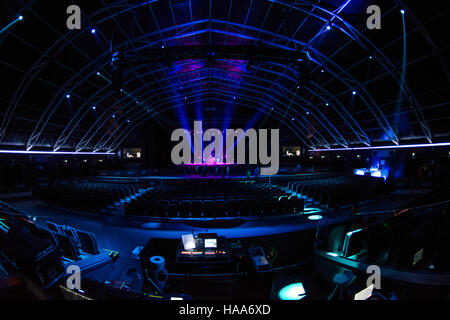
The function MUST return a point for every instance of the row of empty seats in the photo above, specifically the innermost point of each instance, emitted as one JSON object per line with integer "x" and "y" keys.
{"x": 90, "y": 195}
{"x": 414, "y": 239}
{"x": 42, "y": 254}
{"x": 336, "y": 190}
{"x": 220, "y": 198}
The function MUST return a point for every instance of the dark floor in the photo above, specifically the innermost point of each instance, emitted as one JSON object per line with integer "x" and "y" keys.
{"x": 125, "y": 238}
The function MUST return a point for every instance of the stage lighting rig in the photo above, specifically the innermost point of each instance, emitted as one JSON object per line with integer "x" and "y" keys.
{"x": 252, "y": 54}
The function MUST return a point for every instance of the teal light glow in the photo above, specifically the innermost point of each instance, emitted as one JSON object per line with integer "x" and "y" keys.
{"x": 294, "y": 291}
{"x": 333, "y": 254}
{"x": 312, "y": 210}
{"x": 315, "y": 217}
{"x": 352, "y": 232}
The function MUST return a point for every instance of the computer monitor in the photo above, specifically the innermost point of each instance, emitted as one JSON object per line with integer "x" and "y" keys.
{"x": 188, "y": 241}
{"x": 210, "y": 243}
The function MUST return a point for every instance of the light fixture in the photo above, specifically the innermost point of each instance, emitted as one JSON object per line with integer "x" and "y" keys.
{"x": 354, "y": 92}
{"x": 20, "y": 17}
{"x": 68, "y": 96}
{"x": 328, "y": 27}
{"x": 294, "y": 291}
{"x": 94, "y": 107}
{"x": 93, "y": 30}
{"x": 315, "y": 217}
{"x": 402, "y": 11}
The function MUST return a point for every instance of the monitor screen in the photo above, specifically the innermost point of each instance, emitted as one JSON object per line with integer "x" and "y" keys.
{"x": 131, "y": 153}
{"x": 188, "y": 241}
{"x": 291, "y": 151}
{"x": 210, "y": 243}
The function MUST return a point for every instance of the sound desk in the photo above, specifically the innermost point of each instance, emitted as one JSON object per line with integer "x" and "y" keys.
{"x": 206, "y": 251}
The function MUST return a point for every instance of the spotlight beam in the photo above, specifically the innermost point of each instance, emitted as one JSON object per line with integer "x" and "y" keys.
{"x": 9, "y": 25}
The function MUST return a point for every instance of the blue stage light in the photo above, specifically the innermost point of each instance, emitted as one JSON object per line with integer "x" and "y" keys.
{"x": 294, "y": 291}
{"x": 402, "y": 11}
{"x": 315, "y": 217}
{"x": 98, "y": 73}
{"x": 92, "y": 30}
{"x": 328, "y": 28}
{"x": 9, "y": 25}
{"x": 93, "y": 107}
{"x": 354, "y": 92}
{"x": 68, "y": 96}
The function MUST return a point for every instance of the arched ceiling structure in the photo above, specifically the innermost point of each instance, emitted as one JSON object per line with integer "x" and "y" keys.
{"x": 361, "y": 87}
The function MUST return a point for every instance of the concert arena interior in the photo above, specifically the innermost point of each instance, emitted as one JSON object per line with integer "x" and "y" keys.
{"x": 224, "y": 150}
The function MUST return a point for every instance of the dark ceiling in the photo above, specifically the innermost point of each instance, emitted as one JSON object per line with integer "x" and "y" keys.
{"x": 363, "y": 87}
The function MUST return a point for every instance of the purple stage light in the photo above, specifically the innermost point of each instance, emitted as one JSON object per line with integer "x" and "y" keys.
{"x": 423, "y": 145}
{"x": 54, "y": 152}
